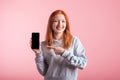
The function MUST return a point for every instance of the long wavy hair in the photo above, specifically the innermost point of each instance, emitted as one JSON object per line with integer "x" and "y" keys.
{"x": 66, "y": 37}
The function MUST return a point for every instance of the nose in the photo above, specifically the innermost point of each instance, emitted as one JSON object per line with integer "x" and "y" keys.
{"x": 60, "y": 24}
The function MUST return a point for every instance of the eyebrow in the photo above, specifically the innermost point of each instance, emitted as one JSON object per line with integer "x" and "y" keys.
{"x": 58, "y": 19}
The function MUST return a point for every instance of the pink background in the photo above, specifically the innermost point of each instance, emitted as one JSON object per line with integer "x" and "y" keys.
{"x": 95, "y": 22}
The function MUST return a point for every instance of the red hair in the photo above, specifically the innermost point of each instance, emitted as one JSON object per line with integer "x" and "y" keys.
{"x": 66, "y": 38}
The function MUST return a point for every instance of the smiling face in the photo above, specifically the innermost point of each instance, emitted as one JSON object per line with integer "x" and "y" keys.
{"x": 58, "y": 27}
{"x": 59, "y": 24}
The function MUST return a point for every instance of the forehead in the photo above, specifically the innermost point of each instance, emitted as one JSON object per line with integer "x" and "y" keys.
{"x": 59, "y": 16}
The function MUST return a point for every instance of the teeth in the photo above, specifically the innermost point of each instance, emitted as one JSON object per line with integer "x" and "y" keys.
{"x": 59, "y": 28}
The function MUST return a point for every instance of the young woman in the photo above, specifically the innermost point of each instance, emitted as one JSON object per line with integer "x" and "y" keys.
{"x": 61, "y": 54}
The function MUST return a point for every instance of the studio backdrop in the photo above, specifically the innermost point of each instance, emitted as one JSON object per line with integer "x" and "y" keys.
{"x": 95, "y": 22}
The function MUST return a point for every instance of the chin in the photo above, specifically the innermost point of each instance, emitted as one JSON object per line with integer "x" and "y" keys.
{"x": 59, "y": 31}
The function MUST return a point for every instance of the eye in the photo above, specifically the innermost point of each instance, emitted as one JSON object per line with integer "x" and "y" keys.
{"x": 55, "y": 20}
{"x": 63, "y": 21}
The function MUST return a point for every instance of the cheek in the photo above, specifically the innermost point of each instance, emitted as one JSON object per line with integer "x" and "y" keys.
{"x": 53, "y": 26}
{"x": 64, "y": 25}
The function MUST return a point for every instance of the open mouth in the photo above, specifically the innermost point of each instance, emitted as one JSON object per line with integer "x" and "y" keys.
{"x": 59, "y": 28}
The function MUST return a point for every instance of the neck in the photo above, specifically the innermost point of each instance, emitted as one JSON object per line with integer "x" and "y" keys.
{"x": 58, "y": 36}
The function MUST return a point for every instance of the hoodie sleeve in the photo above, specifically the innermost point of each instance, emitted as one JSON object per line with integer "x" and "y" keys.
{"x": 41, "y": 63}
{"x": 76, "y": 57}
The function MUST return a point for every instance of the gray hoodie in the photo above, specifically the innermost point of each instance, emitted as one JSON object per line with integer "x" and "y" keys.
{"x": 61, "y": 67}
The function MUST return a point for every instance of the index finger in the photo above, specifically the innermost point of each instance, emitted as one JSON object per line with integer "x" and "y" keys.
{"x": 50, "y": 47}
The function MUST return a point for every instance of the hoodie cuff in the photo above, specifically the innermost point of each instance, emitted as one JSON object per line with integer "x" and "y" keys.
{"x": 66, "y": 53}
{"x": 39, "y": 57}
{"x": 38, "y": 54}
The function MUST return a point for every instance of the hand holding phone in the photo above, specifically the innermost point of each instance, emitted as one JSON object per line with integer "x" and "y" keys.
{"x": 35, "y": 40}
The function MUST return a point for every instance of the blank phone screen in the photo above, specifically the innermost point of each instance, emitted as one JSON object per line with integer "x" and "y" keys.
{"x": 35, "y": 40}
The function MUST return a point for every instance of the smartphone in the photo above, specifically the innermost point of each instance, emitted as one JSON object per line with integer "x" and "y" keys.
{"x": 35, "y": 40}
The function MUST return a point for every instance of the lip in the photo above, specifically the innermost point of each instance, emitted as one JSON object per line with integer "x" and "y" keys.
{"x": 59, "y": 28}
